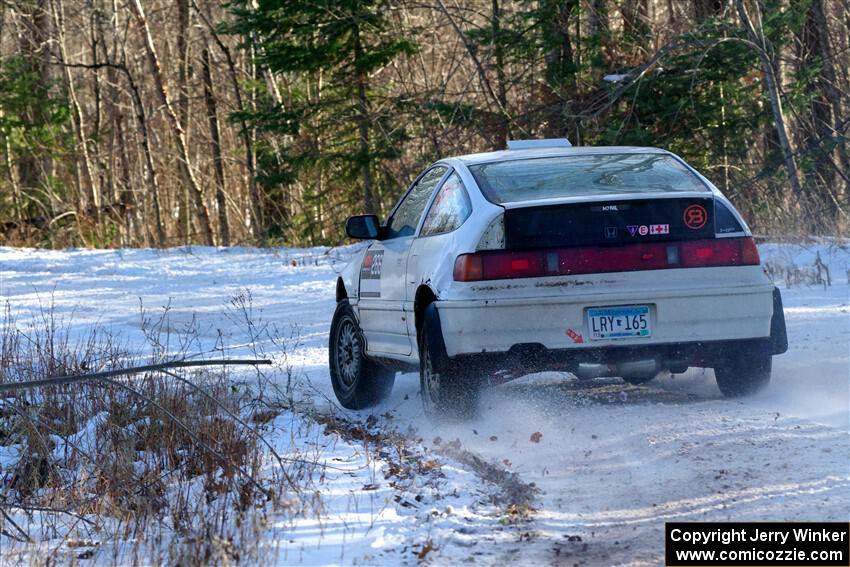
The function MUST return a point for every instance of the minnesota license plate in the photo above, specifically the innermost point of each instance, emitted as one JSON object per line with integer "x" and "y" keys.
{"x": 619, "y": 322}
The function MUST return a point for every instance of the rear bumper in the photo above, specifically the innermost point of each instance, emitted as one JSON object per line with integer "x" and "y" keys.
{"x": 679, "y": 317}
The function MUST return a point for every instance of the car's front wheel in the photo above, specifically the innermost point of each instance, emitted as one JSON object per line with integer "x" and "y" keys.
{"x": 744, "y": 373}
{"x": 447, "y": 389}
{"x": 358, "y": 382}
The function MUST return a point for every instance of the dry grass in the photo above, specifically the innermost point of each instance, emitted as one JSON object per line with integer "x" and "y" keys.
{"x": 772, "y": 211}
{"x": 175, "y": 468}
{"x": 821, "y": 271}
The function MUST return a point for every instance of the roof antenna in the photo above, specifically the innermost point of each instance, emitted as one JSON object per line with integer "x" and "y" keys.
{"x": 538, "y": 144}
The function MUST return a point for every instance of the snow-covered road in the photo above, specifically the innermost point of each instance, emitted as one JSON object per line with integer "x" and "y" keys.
{"x": 613, "y": 461}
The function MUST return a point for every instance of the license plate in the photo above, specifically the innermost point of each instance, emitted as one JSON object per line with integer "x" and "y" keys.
{"x": 619, "y": 322}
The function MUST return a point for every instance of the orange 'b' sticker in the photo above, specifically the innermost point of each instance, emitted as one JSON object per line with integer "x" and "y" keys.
{"x": 695, "y": 217}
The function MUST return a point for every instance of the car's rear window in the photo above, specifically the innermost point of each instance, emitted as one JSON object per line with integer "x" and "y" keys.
{"x": 581, "y": 175}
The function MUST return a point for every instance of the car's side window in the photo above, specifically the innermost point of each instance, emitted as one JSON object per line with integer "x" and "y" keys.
{"x": 409, "y": 211}
{"x": 450, "y": 208}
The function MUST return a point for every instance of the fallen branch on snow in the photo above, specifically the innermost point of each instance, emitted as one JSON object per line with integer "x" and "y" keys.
{"x": 60, "y": 380}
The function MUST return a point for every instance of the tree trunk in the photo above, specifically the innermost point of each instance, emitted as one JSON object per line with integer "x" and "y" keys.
{"x": 91, "y": 201}
{"x": 184, "y": 219}
{"x": 120, "y": 178}
{"x": 704, "y": 9}
{"x": 102, "y": 185}
{"x": 816, "y": 124}
{"x": 598, "y": 34}
{"x": 471, "y": 50}
{"x": 560, "y": 68}
{"x": 150, "y": 170}
{"x": 636, "y": 18}
{"x": 597, "y": 18}
{"x": 369, "y": 205}
{"x": 830, "y": 93}
{"x": 178, "y": 134}
{"x": 215, "y": 146}
{"x": 502, "y": 126}
{"x": 245, "y": 131}
{"x": 760, "y": 44}
{"x": 35, "y": 167}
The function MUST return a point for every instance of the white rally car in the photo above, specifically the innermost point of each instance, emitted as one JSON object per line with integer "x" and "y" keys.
{"x": 603, "y": 261}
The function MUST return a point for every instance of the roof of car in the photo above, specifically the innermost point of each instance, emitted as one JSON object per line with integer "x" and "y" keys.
{"x": 506, "y": 155}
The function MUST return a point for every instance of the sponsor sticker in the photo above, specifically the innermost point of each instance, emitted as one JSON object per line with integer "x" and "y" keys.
{"x": 610, "y": 232}
{"x": 652, "y": 229}
{"x": 576, "y": 337}
{"x": 370, "y": 273}
{"x": 695, "y": 217}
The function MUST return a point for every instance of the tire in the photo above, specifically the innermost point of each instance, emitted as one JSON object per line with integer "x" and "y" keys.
{"x": 447, "y": 391}
{"x": 358, "y": 382}
{"x": 743, "y": 374}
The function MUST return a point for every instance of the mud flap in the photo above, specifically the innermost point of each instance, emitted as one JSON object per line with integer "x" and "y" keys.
{"x": 431, "y": 326}
{"x": 778, "y": 334}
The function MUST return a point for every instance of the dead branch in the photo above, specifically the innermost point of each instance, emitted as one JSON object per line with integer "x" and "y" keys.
{"x": 105, "y": 375}
{"x": 25, "y": 535}
{"x": 48, "y": 510}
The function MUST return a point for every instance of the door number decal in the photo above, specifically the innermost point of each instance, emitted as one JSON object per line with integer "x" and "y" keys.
{"x": 370, "y": 273}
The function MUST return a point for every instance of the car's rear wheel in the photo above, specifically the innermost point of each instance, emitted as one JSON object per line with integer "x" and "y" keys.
{"x": 357, "y": 381}
{"x": 742, "y": 374}
{"x": 447, "y": 390}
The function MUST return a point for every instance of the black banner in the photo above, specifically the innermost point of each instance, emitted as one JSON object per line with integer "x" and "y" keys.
{"x": 763, "y": 544}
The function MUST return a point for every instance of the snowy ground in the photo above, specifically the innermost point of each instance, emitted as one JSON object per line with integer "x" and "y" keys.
{"x": 613, "y": 461}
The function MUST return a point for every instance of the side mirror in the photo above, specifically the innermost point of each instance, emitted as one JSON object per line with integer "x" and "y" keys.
{"x": 362, "y": 227}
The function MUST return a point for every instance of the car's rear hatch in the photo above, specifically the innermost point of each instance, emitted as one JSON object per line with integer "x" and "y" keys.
{"x": 607, "y": 248}
{"x": 636, "y": 269}
{"x": 609, "y": 223}
{"x": 568, "y": 238}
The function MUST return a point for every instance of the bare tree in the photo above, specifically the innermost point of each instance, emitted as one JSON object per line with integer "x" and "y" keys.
{"x": 121, "y": 137}
{"x": 85, "y": 180}
{"x": 184, "y": 219}
{"x": 215, "y": 147}
{"x": 762, "y": 46}
{"x": 184, "y": 162}
{"x": 245, "y": 131}
{"x": 34, "y": 32}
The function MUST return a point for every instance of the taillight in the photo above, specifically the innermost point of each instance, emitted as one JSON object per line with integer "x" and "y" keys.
{"x": 468, "y": 268}
{"x": 719, "y": 252}
{"x": 749, "y": 252}
{"x": 497, "y": 265}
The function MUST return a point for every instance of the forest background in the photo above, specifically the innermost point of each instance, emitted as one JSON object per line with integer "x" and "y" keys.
{"x": 162, "y": 123}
